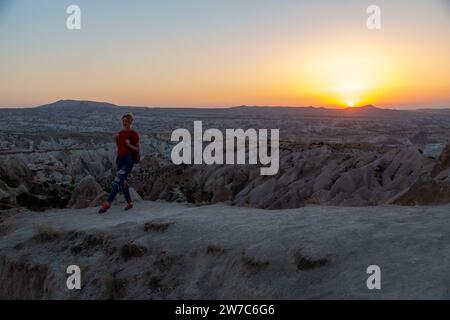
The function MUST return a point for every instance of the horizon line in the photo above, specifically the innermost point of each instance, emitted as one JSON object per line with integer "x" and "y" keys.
{"x": 331, "y": 107}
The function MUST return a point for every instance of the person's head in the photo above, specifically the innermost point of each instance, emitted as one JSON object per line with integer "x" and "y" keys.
{"x": 127, "y": 121}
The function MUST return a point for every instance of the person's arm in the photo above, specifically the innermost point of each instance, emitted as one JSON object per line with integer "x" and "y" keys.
{"x": 136, "y": 147}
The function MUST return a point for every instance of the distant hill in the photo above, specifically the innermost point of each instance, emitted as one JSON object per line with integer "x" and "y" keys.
{"x": 76, "y": 105}
{"x": 355, "y": 112}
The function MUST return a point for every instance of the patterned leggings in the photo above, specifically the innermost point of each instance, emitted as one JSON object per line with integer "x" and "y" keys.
{"x": 120, "y": 183}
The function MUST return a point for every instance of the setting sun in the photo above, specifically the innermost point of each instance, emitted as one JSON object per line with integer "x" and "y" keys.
{"x": 295, "y": 60}
{"x": 350, "y": 104}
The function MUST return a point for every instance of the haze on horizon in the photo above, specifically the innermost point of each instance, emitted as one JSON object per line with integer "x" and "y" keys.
{"x": 203, "y": 53}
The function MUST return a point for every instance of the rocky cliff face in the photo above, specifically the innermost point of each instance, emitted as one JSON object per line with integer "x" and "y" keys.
{"x": 44, "y": 171}
{"x": 309, "y": 174}
{"x": 327, "y": 174}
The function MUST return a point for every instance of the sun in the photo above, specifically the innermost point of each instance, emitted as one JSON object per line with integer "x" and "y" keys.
{"x": 350, "y": 104}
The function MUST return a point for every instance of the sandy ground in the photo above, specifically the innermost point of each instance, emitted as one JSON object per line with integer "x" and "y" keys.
{"x": 222, "y": 252}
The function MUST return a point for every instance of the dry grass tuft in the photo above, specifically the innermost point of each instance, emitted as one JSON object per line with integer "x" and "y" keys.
{"x": 130, "y": 251}
{"x": 157, "y": 226}
{"x": 46, "y": 233}
{"x": 253, "y": 263}
{"x": 114, "y": 287}
{"x": 312, "y": 201}
{"x": 155, "y": 283}
{"x": 215, "y": 250}
{"x": 305, "y": 263}
{"x": 4, "y": 230}
{"x": 91, "y": 243}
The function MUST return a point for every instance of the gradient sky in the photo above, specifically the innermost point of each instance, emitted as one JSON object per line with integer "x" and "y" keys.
{"x": 226, "y": 53}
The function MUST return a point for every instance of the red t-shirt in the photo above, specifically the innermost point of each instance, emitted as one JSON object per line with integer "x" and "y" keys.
{"x": 122, "y": 136}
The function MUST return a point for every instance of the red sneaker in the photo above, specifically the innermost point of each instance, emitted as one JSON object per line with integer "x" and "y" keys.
{"x": 129, "y": 206}
{"x": 105, "y": 207}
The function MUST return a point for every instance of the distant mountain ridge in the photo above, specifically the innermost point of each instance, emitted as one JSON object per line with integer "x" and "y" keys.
{"x": 76, "y": 108}
{"x": 68, "y": 103}
{"x": 76, "y": 104}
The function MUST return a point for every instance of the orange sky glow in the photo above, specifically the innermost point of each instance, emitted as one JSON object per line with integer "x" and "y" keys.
{"x": 270, "y": 55}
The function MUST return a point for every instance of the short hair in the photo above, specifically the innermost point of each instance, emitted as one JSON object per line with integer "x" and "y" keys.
{"x": 128, "y": 116}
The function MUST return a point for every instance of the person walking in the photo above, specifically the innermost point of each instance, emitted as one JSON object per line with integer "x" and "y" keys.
{"x": 128, "y": 154}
